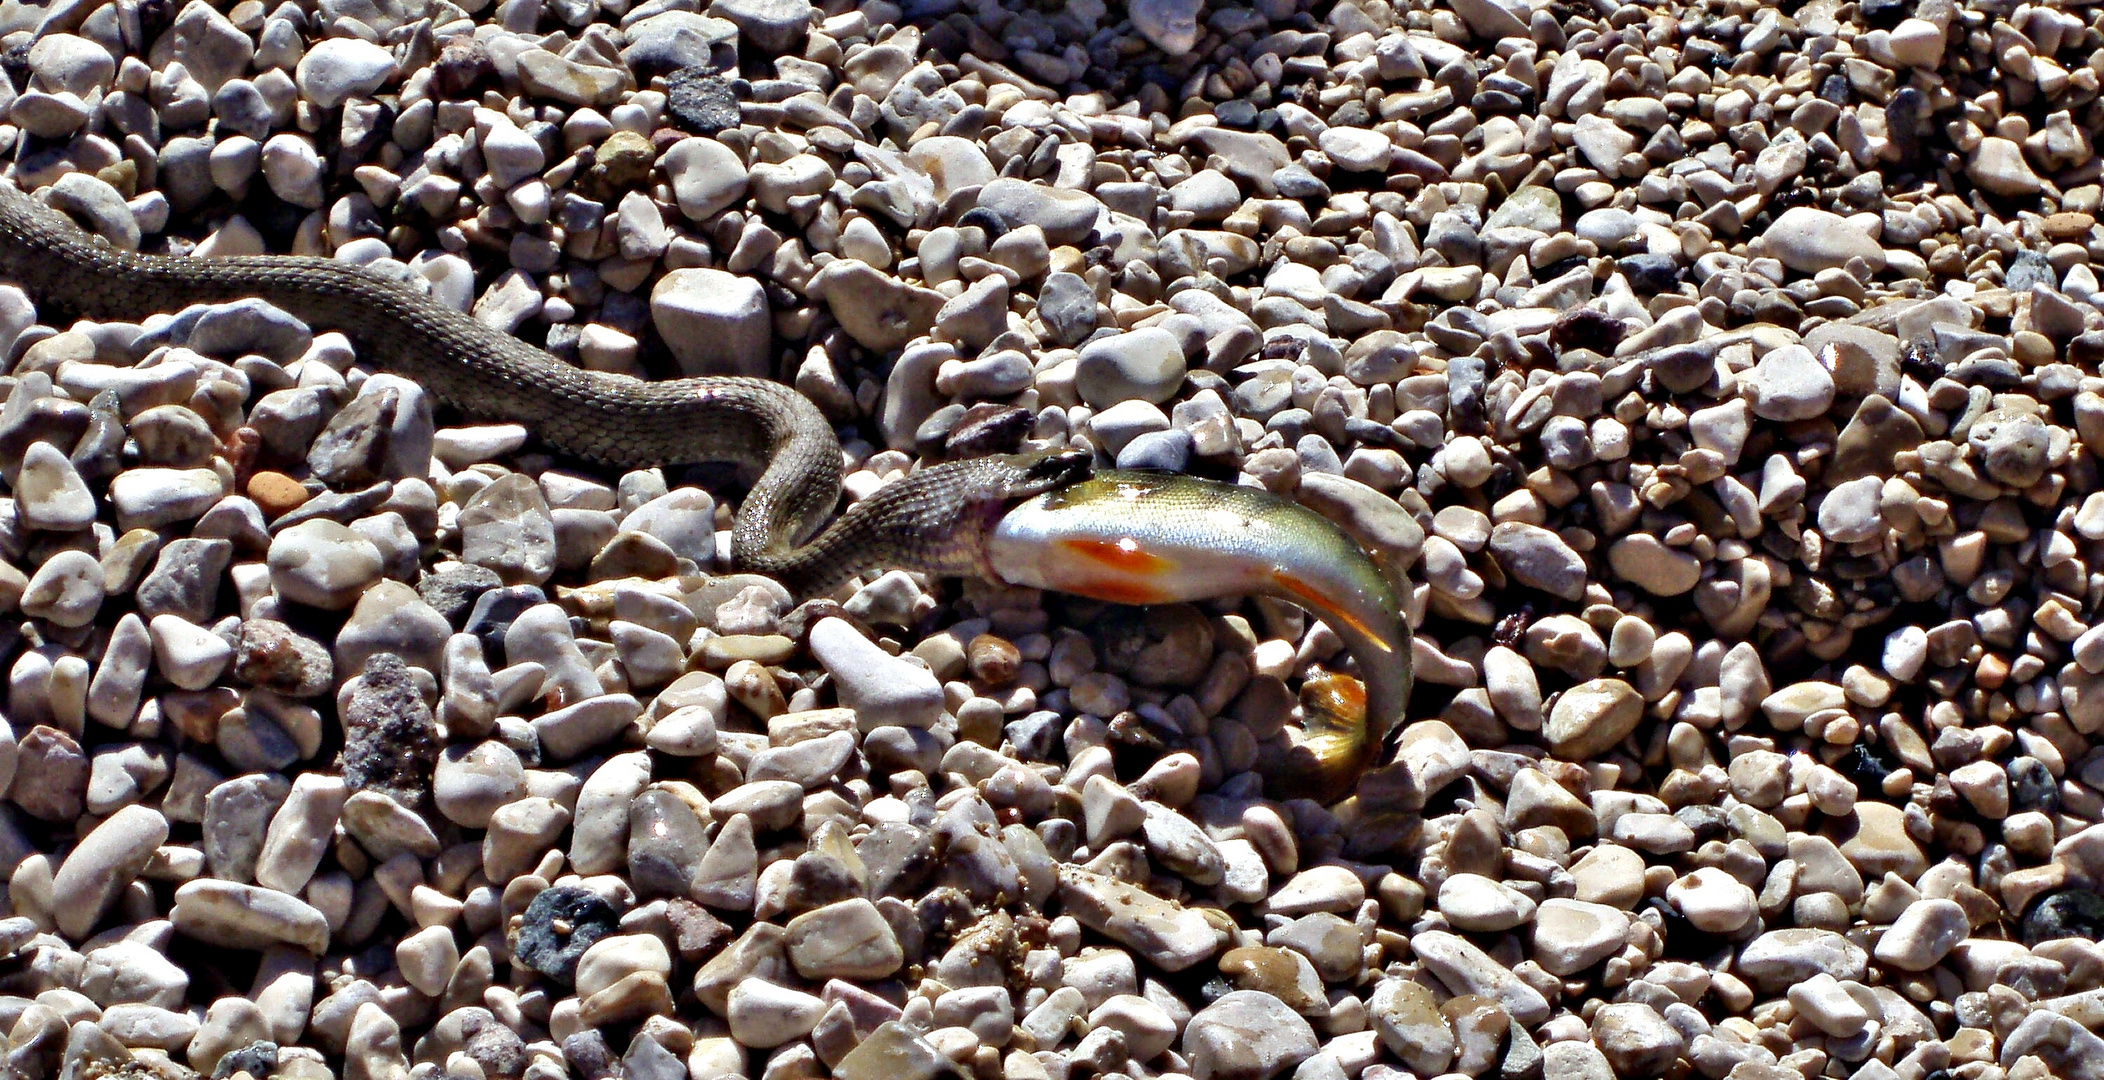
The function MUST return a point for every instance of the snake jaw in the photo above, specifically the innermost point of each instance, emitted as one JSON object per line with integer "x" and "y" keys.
{"x": 1015, "y": 478}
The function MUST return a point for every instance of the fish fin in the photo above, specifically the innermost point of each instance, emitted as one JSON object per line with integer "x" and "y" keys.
{"x": 1314, "y": 599}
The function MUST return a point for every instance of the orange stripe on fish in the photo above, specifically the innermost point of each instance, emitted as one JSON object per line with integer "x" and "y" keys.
{"x": 1122, "y": 555}
{"x": 1314, "y": 598}
{"x": 1117, "y": 592}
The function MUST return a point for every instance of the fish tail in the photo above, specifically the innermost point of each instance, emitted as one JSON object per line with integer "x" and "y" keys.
{"x": 1336, "y": 747}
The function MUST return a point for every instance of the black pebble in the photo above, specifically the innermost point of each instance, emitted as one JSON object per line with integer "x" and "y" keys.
{"x": 1885, "y": 13}
{"x": 1708, "y": 822}
{"x": 1238, "y": 114}
{"x": 2069, "y": 913}
{"x": 1587, "y": 328}
{"x": 702, "y": 101}
{"x": 992, "y": 224}
{"x": 453, "y": 592}
{"x": 1905, "y": 117}
{"x": 1650, "y": 274}
{"x": 493, "y": 614}
{"x": 15, "y": 62}
{"x": 554, "y": 951}
{"x": 2032, "y": 787}
{"x": 1868, "y": 768}
{"x": 258, "y": 1059}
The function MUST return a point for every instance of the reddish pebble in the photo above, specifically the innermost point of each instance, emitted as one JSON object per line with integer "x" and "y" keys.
{"x": 993, "y": 659}
{"x": 276, "y": 494}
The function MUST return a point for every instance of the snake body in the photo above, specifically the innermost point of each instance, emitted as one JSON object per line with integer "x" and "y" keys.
{"x": 933, "y": 520}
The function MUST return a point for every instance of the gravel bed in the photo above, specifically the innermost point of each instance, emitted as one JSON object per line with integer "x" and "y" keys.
{"x": 1727, "y": 379}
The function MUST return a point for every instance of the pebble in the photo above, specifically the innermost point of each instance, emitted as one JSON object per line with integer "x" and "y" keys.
{"x": 272, "y": 655}
{"x": 845, "y": 940}
{"x": 699, "y": 100}
{"x": 1170, "y": 25}
{"x": 250, "y": 917}
{"x": 1408, "y": 1022}
{"x": 1477, "y": 903}
{"x": 717, "y": 323}
{"x": 1713, "y": 901}
{"x": 298, "y": 836}
{"x": 67, "y": 590}
{"x": 764, "y": 1015}
{"x": 507, "y": 527}
{"x": 390, "y": 740}
{"x": 1590, "y": 718}
{"x": 1246, "y": 1035}
{"x": 1790, "y": 384}
{"x": 189, "y": 656}
{"x": 1573, "y": 935}
{"x": 558, "y": 927}
{"x": 322, "y": 564}
{"x": 105, "y": 863}
{"x": 49, "y": 491}
{"x": 1808, "y": 240}
{"x": 1923, "y": 935}
{"x": 339, "y": 69}
{"x": 1635, "y": 1039}
{"x": 1143, "y": 365}
{"x": 566, "y": 733}
{"x": 152, "y": 498}
{"x": 706, "y": 176}
{"x": 884, "y": 691}
{"x": 51, "y": 775}
{"x": 877, "y": 311}
{"x": 1781, "y": 958}
{"x": 1538, "y": 559}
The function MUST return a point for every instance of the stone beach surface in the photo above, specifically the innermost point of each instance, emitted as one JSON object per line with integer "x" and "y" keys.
{"x": 1728, "y": 381}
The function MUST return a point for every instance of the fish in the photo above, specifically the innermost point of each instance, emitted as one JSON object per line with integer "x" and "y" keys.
{"x": 1132, "y": 537}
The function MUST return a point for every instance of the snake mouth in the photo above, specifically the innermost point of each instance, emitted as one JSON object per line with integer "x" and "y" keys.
{"x": 1027, "y": 476}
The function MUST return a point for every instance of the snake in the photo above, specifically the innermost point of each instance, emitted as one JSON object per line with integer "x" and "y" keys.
{"x": 933, "y": 520}
{"x": 1045, "y": 519}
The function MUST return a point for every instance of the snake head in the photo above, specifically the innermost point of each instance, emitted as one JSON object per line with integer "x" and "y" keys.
{"x": 1048, "y": 471}
{"x": 995, "y": 485}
